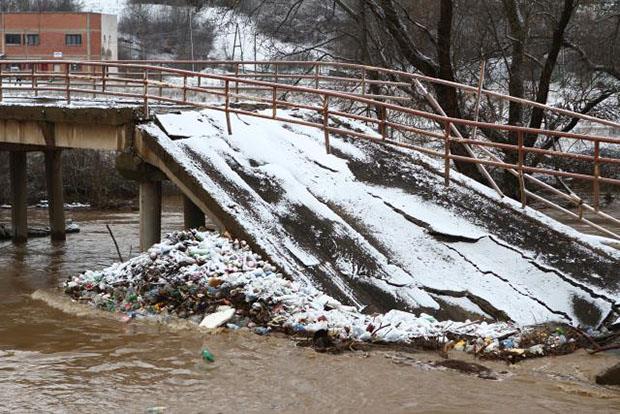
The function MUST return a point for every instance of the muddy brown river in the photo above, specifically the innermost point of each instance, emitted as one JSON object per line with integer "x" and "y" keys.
{"x": 60, "y": 357}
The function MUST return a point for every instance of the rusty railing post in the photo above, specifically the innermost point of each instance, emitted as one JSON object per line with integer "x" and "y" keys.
{"x": 447, "y": 155}
{"x": 274, "y": 114}
{"x": 227, "y": 106}
{"x": 326, "y": 123}
{"x": 317, "y": 73}
{"x": 520, "y": 169}
{"x": 93, "y": 79}
{"x": 104, "y": 78}
{"x": 276, "y": 72}
{"x": 185, "y": 88}
{"x": 35, "y": 85}
{"x": 161, "y": 80}
{"x": 146, "y": 93}
{"x": 237, "y": 82}
{"x": 67, "y": 83}
{"x": 596, "y": 185}
{"x": 364, "y": 82}
{"x": 384, "y": 127}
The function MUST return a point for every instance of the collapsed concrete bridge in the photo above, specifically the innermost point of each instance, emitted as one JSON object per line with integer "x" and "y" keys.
{"x": 369, "y": 218}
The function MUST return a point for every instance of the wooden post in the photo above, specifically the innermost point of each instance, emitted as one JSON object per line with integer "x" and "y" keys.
{"x": 274, "y": 98}
{"x": 68, "y": 83}
{"x": 19, "y": 202}
{"x": 55, "y": 194}
{"x": 326, "y": 123}
{"x": 596, "y": 185}
{"x": 276, "y": 72}
{"x": 227, "y": 106}
{"x": 150, "y": 213}
{"x": 193, "y": 217}
{"x": 184, "y": 88}
{"x": 447, "y": 154}
{"x": 520, "y": 169}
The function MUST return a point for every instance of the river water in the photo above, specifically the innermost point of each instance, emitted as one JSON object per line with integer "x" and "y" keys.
{"x": 56, "y": 356}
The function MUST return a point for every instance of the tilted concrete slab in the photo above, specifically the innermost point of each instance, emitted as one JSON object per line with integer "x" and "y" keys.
{"x": 374, "y": 226}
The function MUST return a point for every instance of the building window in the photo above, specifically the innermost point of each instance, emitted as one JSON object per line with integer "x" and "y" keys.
{"x": 12, "y": 39}
{"x": 73, "y": 39}
{"x": 33, "y": 40}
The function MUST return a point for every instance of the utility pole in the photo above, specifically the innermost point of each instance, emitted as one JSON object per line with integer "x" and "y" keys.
{"x": 237, "y": 42}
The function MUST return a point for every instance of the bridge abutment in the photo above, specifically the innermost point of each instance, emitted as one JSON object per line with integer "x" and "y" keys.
{"x": 55, "y": 194}
{"x": 19, "y": 190}
{"x": 150, "y": 213}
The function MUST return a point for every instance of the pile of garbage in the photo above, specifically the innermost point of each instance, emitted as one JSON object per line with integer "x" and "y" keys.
{"x": 216, "y": 281}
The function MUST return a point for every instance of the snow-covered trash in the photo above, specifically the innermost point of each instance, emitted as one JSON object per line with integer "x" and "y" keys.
{"x": 217, "y": 281}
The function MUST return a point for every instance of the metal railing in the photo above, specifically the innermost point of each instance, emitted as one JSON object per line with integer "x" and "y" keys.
{"x": 340, "y": 92}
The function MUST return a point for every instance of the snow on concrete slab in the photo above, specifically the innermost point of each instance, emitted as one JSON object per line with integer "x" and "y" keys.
{"x": 438, "y": 219}
{"x": 182, "y": 125}
{"x": 547, "y": 286}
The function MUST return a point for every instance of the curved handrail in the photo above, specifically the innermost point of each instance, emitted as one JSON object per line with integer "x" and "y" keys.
{"x": 105, "y": 78}
{"x": 366, "y": 68}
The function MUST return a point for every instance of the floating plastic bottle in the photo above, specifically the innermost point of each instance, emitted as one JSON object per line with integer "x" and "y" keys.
{"x": 207, "y": 355}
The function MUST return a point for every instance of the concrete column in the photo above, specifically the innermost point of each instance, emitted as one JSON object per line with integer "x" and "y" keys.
{"x": 19, "y": 192}
{"x": 150, "y": 214}
{"x": 193, "y": 217}
{"x": 55, "y": 194}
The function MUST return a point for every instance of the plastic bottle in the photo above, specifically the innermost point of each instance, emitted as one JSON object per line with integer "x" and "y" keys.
{"x": 207, "y": 355}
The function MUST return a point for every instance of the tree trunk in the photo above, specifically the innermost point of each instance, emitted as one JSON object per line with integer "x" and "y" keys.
{"x": 515, "y": 88}
{"x": 446, "y": 95}
{"x": 545, "y": 76}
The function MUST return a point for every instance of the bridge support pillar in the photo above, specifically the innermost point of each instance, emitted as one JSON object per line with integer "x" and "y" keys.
{"x": 150, "y": 213}
{"x": 55, "y": 194}
{"x": 193, "y": 217}
{"x": 19, "y": 191}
